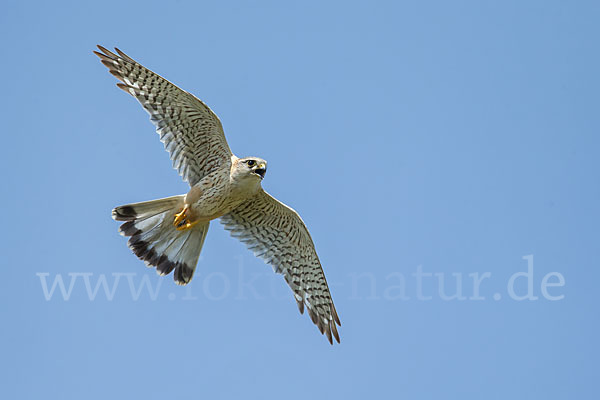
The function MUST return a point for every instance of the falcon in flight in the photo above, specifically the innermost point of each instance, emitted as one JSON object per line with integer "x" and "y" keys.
{"x": 169, "y": 233}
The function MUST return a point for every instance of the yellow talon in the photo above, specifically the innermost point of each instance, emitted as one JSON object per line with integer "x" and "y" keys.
{"x": 182, "y": 222}
{"x": 179, "y": 218}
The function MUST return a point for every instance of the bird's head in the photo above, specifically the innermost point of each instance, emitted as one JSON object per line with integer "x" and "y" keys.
{"x": 253, "y": 167}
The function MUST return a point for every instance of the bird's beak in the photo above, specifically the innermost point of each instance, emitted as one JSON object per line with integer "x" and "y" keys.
{"x": 261, "y": 170}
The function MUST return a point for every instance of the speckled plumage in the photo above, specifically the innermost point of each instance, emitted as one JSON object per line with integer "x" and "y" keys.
{"x": 169, "y": 233}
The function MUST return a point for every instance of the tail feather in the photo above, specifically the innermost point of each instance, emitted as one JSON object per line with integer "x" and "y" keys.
{"x": 146, "y": 209}
{"x": 154, "y": 239}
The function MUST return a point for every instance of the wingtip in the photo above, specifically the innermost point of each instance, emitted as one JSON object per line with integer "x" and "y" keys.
{"x": 300, "y": 306}
{"x": 121, "y": 53}
{"x": 334, "y": 330}
{"x": 125, "y": 88}
{"x": 329, "y": 338}
{"x": 105, "y": 52}
{"x": 335, "y": 315}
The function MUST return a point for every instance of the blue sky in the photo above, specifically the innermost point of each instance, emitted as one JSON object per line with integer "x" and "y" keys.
{"x": 422, "y": 142}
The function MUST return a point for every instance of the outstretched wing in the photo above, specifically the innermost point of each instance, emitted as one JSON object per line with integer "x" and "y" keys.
{"x": 277, "y": 234}
{"x": 190, "y": 131}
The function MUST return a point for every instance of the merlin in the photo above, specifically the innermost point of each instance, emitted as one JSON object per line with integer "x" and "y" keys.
{"x": 168, "y": 233}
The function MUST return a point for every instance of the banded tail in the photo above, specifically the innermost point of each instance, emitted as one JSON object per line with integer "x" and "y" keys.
{"x": 156, "y": 241}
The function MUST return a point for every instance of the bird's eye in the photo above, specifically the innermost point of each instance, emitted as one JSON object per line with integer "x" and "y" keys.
{"x": 251, "y": 163}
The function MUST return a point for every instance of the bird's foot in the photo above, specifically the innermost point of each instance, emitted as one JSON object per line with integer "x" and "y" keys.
{"x": 182, "y": 220}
